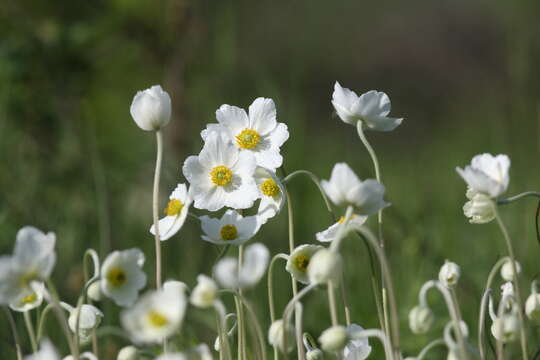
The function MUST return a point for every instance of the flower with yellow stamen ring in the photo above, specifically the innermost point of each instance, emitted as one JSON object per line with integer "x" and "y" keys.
{"x": 231, "y": 229}
{"x": 248, "y": 139}
{"x": 176, "y": 212}
{"x": 29, "y": 300}
{"x": 298, "y": 262}
{"x": 271, "y": 192}
{"x": 221, "y": 176}
{"x": 329, "y": 234}
{"x": 157, "y": 315}
{"x": 123, "y": 276}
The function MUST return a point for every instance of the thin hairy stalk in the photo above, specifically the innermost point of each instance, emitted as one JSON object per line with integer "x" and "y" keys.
{"x": 270, "y": 284}
{"x": 62, "y": 319}
{"x": 239, "y": 335}
{"x": 240, "y": 311}
{"x": 500, "y": 325}
{"x": 510, "y": 249}
{"x": 92, "y": 254}
{"x": 30, "y": 329}
{"x": 42, "y": 321}
{"x": 344, "y": 300}
{"x": 332, "y": 303}
{"x": 298, "y": 325}
{"x": 224, "y": 346}
{"x": 456, "y": 304}
{"x": 518, "y": 196}
{"x": 14, "y": 332}
{"x": 376, "y": 333}
{"x": 428, "y": 348}
{"x": 482, "y": 324}
{"x": 317, "y": 182}
{"x": 155, "y": 204}
{"x": 451, "y": 310}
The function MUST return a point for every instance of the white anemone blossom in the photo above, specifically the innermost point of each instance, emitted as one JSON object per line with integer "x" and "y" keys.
{"x": 487, "y": 174}
{"x": 151, "y": 108}
{"x": 271, "y": 192}
{"x": 259, "y": 133}
{"x": 357, "y": 348}
{"x": 299, "y": 260}
{"x": 29, "y": 300}
{"x": 122, "y": 276}
{"x": 32, "y": 261}
{"x": 330, "y": 234}
{"x": 175, "y": 213}
{"x": 345, "y": 189}
{"x": 156, "y": 315}
{"x": 221, "y": 175}
{"x": 46, "y": 352}
{"x": 230, "y": 276}
{"x": 89, "y": 319}
{"x": 371, "y": 108}
{"x": 231, "y": 229}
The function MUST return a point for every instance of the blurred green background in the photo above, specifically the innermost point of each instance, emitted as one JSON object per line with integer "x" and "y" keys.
{"x": 463, "y": 74}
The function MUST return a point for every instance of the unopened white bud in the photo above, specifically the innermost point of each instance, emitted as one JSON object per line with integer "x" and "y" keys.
{"x": 507, "y": 270}
{"x": 506, "y": 328}
{"x": 325, "y": 265}
{"x": 275, "y": 336}
{"x": 334, "y": 338}
{"x": 449, "y": 274}
{"x": 151, "y": 108}
{"x": 205, "y": 293}
{"x": 127, "y": 353}
{"x": 314, "y": 354}
{"x": 420, "y": 319}
{"x": 532, "y": 307}
{"x": 94, "y": 291}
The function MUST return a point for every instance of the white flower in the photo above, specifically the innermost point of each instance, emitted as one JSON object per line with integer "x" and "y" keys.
{"x": 175, "y": 213}
{"x": 507, "y": 270}
{"x": 122, "y": 276}
{"x": 345, "y": 188}
{"x": 33, "y": 260}
{"x": 84, "y": 356}
{"x": 334, "y": 338}
{"x": 487, "y": 174}
{"x": 231, "y": 229}
{"x": 420, "y": 319}
{"x": 89, "y": 319}
{"x": 325, "y": 265}
{"x": 46, "y": 352}
{"x": 255, "y": 262}
{"x": 275, "y": 336}
{"x": 314, "y": 354}
{"x": 205, "y": 293}
{"x": 532, "y": 307}
{"x": 298, "y": 262}
{"x": 479, "y": 208}
{"x": 506, "y": 328}
{"x": 151, "y": 108}
{"x": 356, "y": 348}
{"x": 372, "y": 108}
{"x": 221, "y": 176}
{"x": 29, "y": 300}
{"x": 259, "y": 133}
{"x": 271, "y": 192}
{"x": 127, "y": 353}
{"x": 330, "y": 234}
{"x": 94, "y": 291}
{"x": 156, "y": 315}
{"x": 449, "y": 274}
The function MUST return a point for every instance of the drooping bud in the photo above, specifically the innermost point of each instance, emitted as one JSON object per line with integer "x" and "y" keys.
{"x": 449, "y": 274}
{"x": 507, "y": 270}
{"x": 325, "y": 265}
{"x": 275, "y": 336}
{"x": 94, "y": 291}
{"x": 532, "y": 306}
{"x": 334, "y": 338}
{"x": 420, "y": 319}
{"x": 151, "y": 108}
{"x": 127, "y": 353}
{"x": 506, "y": 328}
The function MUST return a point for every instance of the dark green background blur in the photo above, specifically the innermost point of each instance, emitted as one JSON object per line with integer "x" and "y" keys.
{"x": 463, "y": 74}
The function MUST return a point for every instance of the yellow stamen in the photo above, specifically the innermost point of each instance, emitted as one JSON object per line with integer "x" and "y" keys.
{"x": 116, "y": 277}
{"x": 342, "y": 219}
{"x": 156, "y": 319}
{"x": 229, "y": 232}
{"x": 221, "y": 175}
{"x": 173, "y": 207}
{"x": 269, "y": 188}
{"x": 301, "y": 262}
{"x": 29, "y": 299}
{"x": 248, "y": 139}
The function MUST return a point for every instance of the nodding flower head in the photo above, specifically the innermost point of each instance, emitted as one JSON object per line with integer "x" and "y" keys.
{"x": 276, "y": 335}
{"x": 449, "y": 274}
{"x": 325, "y": 265}
{"x": 334, "y": 338}
{"x": 487, "y": 174}
{"x": 420, "y": 319}
{"x": 507, "y": 270}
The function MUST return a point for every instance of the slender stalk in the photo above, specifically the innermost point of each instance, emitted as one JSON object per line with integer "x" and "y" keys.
{"x": 332, "y": 303}
{"x": 62, "y": 319}
{"x": 518, "y": 196}
{"x": 14, "y": 332}
{"x": 270, "y": 284}
{"x": 240, "y": 311}
{"x": 155, "y": 204}
{"x": 428, "y": 347}
{"x": 30, "y": 329}
{"x": 224, "y": 346}
{"x": 500, "y": 312}
{"x": 482, "y": 324}
{"x": 298, "y": 310}
{"x": 344, "y": 300}
{"x": 510, "y": 249}
{"x": 42, "y": 321}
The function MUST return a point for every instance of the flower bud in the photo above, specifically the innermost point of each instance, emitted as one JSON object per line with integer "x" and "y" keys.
{"x": 325, "y": 265}
{"x": 88, "y": 320}
{"x": 94, "y": 291}
{"x": 479, "y": 208}
{"x": 314, "y": 354}
{"x": 205, "y": 293}
{"x": 507, "y": 270}
{"x": 506, "y": 328}
{"x": 275, "y": 336}
{"x": 151, "y": 108}
{"x": 449, "y": 274}
{"x": 334, "y": 338}
{"x": 127, "y": 353}
{"x": 420, "y": 319}
{"x": 532, "y": 307}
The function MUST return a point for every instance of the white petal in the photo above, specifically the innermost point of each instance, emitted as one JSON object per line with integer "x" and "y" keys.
{"x": 233, "y": 118}
{"x": 382, "y": 123}
{"x": 226, "y": 272}
{"x": 343, "y": 100}
{"x": 211, "y": 227}
{"x": 255, "y": 262}
{"x": 262, "y": 115}
{"x": 218, "y": 151}
{"x": 367, "y": 197}
{"x": 210, "y": 128}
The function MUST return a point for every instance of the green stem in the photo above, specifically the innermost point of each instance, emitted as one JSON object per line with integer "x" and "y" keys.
{"x": 62, "y": 319}
{"x": 155, "y": 204}
{"x": 430, "y": 346}
{"x": 14, "y": 332}
{"x": 518, "y": 196}
{"x": 270, "y": 284}
{"x": 42, "y": 321}
{"x": 332, "y": 303}
{"x": 30, "y": 329}
{"x": 240, "y": 312}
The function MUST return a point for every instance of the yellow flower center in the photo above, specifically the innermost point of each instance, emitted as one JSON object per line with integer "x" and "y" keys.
{"x": 173, "y": 207}
{"x": 301, "y": 262}
{"x": 248, "y": 139}
{"x": 221, "y": 175}
{"x": 229, "y": 232}
{"x": 116, "y": 277}
{"x": 29, "y": 299}
{"x": 157, "y": 319}
{"x": 342, "y": 219}
{"x": 269, "y": 188}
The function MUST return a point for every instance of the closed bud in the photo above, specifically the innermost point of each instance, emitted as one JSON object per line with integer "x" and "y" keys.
{"x": 506, "y": 328}
{"x": 325, "y": 265}
{"x": 507, "y": 270}
{"x": 314, "y": 354}
{"x": 449, "y": 274}
{"x": 127, "y": 353}
{"x": 275, "y": 336}
{"x": 94, "y": 291}
{"x": 420, "y": 319}
{"x": 334, "y": 338}
{"x": 532, "y": 307}
{"x": 151, "y": 108}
